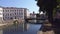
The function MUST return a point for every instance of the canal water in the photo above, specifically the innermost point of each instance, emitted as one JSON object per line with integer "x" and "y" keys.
{"x": 21, "y": 29}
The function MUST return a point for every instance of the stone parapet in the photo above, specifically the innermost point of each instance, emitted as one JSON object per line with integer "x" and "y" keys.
{"x": 47, "y": 32}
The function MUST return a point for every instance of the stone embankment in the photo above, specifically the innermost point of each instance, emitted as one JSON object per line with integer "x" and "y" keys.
{"x": 6, "y": 23}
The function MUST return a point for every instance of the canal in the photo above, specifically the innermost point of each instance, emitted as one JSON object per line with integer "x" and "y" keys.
{"x": 21, "y": 29}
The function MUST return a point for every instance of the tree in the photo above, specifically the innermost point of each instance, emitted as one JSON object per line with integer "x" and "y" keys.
{"x": 54, "y": 11}
{"x": 48, "y": 6}
{"x": 58, "y": 1}
{"x": 58, "y": 6}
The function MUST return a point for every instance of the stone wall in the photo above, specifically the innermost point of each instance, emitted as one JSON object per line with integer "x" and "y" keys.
{"x": 47, "y": 32}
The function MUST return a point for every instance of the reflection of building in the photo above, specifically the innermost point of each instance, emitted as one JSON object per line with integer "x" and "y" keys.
{"x": 14, "y": 29}
{"x": 8, "y": 13}
{"x": 25, "y": 26}
{"x": 1, "y": 31}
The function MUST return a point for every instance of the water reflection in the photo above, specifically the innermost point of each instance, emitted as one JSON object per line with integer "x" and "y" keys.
{"x": 21, "y": 29}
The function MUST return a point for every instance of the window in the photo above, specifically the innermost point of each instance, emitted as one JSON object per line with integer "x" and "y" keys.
{"x": 21, "y": 16}
{"x": 3, "y": 14}
{"x": 15, "y": 17}
{"x": 10, "y": 14}
{"x": 20, "y": 13}
{"x": 21, "y": 10}
{"x": 17, "y": 10}
{"x": 7, "y": 15}
{"x": 0, "y": 13}
{"x": 15, "y": 13}
{"x": 11, "y": 10}
{"x": 6, "y": 10}
{"x": 11, "y": 18}
{"x": 3, "y": 18}
{"x": 3, "y": 10}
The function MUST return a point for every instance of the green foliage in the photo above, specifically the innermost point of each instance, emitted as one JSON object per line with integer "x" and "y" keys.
{"x": 58, "y": 6}
{"x": 54, "y": 11}
{"x": 58, "y": 1}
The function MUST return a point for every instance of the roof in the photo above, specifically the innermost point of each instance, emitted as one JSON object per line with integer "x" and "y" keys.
{"x": 12, "y": 7}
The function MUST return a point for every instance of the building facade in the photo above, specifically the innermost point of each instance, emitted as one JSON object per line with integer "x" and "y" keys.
{"x": 10, "y": 13}
{"x": 33, "y": 15}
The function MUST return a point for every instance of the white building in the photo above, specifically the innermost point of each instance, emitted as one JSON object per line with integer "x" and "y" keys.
{"x": 9, "y": 13}
{"x": 33, "y": 15}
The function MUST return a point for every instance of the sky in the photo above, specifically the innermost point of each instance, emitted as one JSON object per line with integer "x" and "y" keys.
{"x": 29, "y": 4}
